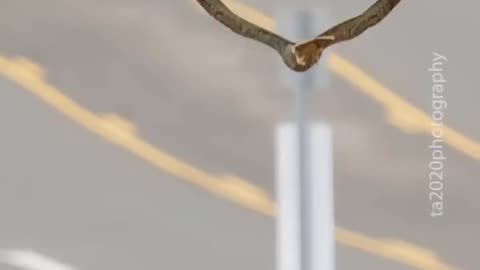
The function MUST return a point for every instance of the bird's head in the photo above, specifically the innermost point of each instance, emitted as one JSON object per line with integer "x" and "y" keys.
{"x": 301, "y": 57}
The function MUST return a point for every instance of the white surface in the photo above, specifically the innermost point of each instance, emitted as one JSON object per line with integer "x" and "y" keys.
{"x": 288, "y": 189}
{"x": 288, "y": 197}
{"x": 323, "y": 219}
{"x": 29, "y": 260}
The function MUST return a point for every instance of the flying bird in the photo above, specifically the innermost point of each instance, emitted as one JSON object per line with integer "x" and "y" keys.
{"x": 300, "y": 56}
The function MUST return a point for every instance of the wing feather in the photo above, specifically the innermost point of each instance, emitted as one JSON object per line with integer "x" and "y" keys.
{"x": 357, "y": 25}
{"x": 300, "y": 56}
{"x": 218, "y": 10}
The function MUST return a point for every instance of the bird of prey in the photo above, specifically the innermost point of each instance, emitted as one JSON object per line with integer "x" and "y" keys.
{"x": 300, "y": 56}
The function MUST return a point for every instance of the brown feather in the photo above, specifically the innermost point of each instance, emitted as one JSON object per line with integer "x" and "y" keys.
{"x": 300, "y": 57}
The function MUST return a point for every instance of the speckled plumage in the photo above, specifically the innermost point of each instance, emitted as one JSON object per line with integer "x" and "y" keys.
{"x": 300, "y": 56}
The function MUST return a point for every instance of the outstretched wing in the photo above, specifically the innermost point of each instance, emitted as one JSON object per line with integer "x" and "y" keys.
{"x": 357, "y": 25}
{"x": 300, "y": 57}
{"x": 218, "y": 10}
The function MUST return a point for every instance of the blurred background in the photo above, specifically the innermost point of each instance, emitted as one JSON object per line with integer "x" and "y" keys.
{"x": 139, "y": 134}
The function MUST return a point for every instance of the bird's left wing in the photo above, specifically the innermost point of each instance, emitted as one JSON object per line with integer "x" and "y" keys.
{"x": 218, "y": 10}
{"x": 354, "y": 26}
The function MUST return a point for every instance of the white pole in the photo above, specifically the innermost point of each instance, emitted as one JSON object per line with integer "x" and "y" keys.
{"x": 303, "y": 97}
{"x": 305, "y": 228}
{"x": 320, "y": 209}
{"x": 322, "y": 200}
{"x": 288, "y": 198}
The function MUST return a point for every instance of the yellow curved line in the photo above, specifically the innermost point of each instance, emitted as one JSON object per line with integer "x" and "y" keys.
{"x": 400, "y": 113}
{"x": 112, "y": 128}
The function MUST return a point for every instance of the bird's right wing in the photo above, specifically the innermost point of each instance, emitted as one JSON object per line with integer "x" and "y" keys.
{"x": 357, "y": 25}
{"x": 218, "y": 10}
